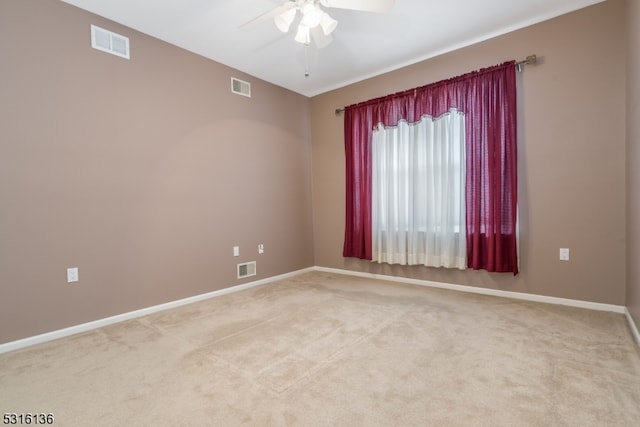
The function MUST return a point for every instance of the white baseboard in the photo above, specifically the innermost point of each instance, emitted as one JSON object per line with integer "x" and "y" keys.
{"x": 483, "y": 291}
{"x": 632, "y": 326}
{"x": 49, "y": 336}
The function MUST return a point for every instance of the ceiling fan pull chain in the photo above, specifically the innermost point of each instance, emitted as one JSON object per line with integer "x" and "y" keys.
{"x": 306, "y": 60}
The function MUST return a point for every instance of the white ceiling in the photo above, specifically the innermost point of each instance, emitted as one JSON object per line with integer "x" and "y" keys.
{"x": 365, "y": 44}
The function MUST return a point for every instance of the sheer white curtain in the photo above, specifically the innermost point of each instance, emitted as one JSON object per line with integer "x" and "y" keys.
{"x": 418, "y": 198}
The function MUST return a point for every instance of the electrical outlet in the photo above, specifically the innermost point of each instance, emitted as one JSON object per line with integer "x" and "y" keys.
{"x": 72, "y": 274}
{"x": 564, "y": 254}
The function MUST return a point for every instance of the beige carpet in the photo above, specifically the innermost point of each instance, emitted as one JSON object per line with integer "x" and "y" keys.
{"x": 329, "y": 350}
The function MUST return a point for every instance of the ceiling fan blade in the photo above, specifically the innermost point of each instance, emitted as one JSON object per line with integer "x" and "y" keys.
{"x": 320, "y": 39}
{"x": 268, "y": 15}
{"x": 364, "y": 5}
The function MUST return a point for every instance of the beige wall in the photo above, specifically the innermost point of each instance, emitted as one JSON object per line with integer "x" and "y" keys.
{"x": 571, "y": 156}
{"x": 633, "y": 159}
{"x": 143, "y": 173}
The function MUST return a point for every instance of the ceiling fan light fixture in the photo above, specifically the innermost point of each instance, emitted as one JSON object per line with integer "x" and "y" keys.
{"x": 327, "y": 23}
{"x": 303, "y": 35}
{"x": 311, "y": 15}
{"x": 284, "y": 20}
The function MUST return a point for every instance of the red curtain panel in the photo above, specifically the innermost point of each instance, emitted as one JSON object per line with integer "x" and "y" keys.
{"x": 488, "y": 99}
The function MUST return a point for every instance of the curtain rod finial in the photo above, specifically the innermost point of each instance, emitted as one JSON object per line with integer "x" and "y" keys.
{"x": 531, "y": 59}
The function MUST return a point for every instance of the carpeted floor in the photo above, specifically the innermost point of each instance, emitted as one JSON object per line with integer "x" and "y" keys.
{"x": 324, "y": 349}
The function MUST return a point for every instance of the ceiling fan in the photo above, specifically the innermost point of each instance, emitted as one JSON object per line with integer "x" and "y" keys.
{"x": 314, "y": 23}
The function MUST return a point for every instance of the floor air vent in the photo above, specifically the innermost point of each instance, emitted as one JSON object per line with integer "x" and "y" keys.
{"x": 246, "y": 269}
{"x": 109, "y": 42}
{"x": 240, "y": 87}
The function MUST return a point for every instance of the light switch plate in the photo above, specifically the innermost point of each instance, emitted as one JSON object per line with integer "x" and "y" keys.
{"x": 564, "y": 254}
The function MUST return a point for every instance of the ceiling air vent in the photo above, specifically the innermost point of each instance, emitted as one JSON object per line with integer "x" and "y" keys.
{"x": 240, "y": 87}
{"x": 109, "y": 42}
{"x": 246, "y": 269}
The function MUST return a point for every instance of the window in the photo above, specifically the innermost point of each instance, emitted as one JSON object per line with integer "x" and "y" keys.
{"x": 418, "y": 178}
{"x": 487, "y": 100}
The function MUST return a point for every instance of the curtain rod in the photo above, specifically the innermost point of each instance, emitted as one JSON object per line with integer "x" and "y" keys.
{"x": 531, "y": 59}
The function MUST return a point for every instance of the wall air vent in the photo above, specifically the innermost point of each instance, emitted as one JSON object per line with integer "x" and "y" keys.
{"x": 246, "y": 269}
{"x": 109, "y": 42}
{"x": 240, "y": 87}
